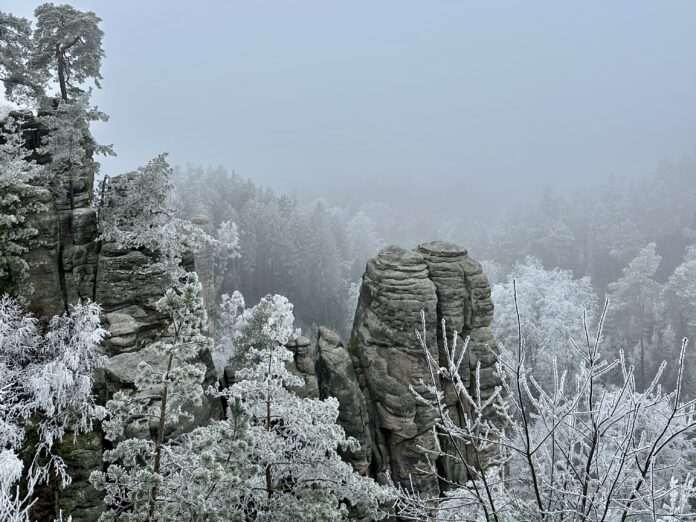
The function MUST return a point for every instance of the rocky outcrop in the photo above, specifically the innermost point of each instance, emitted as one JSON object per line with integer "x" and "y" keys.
{"x": 43, "y": 258}
{"x": 82, "y": 456}
{"x": 120, "y": 373}
{"x": 302, "y": 365}
{"x": 129, "y": 283}
{"x": 68, "y": 264}
{"x": 78, "y": 234}
{"x": 464, "y": 303}
{"x": 62, "y": 261}
{"x": 337, "y": 377}
{"x": 374, "y": 376}
{"x": 395, "y": 288}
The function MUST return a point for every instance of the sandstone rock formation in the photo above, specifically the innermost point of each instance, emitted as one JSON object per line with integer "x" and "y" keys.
{"x": 395, "y": 289}
{"x": 373, "y": 377}
{"x": 63, "y": 262}
{"x": 68, "y": 264}
{"x": 302, "y": 365}
{"x": 337, "y": 378}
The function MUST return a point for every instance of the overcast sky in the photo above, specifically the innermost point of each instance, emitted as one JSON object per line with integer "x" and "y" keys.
{"x": 453, "y": 100}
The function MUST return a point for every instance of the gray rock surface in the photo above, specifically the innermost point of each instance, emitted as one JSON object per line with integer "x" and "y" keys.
{"x": 128, "y": 277}
{"x": 464, "y": 303}
{"x": 302, "y": 365}
{"x": 63, "y": 259}
{"x": 395, "y": 288}
{"x": 373, "y": 377}
{"x": 44, "y": 258}
{"x": 337, "y": 378}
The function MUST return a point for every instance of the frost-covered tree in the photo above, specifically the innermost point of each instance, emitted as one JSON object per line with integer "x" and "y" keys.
{"x": 636, "y": 308}
{"x": 294, "y": 441}
{"x": 575, "y": 449}
{"x": 679, "y": 298}
{"x": 551, "y": 305}
{"x": 16, "y": 232}
{"x": 274, "y": 456}
{"x": 46, "y": 387}
{"x": 228, "y": 334}
{"x": 134, "y": 212}
{"x": 69, "y": 142}
{"x": 226, "y": 251}
{"x": 67, "y": 46}
{"x": 20, "y": 83}
{"x": 68, "y": 138}
{"x": 680, "y": 294}
{"x": 227, "y": 233}
{"x": 494, "y": 271}
{"x": 143, "y": 475}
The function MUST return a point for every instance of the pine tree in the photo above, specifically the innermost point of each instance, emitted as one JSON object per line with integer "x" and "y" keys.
{"x": 20, "y": 81}
{"x": 135, "y": 212}
{"x": 67, "y": 46}
{"x": 294, "y": 441}
{"x": 679, "y": 296}
{"x": 144, "y": 476}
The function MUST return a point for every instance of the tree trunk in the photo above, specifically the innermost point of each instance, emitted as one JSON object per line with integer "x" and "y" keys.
{"x": 160, "y": 438}
{"x": 269, "y": 476}
{"x": 642, "y": 348}
{"x": 60, "y": 54}
{"x": 62, "y": 69}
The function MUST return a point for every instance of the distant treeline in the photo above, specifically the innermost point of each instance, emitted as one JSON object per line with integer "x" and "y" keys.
{"x": 312, "y": 253}
{"x": 596, "y": 231}
{"x": 315, "y": 253}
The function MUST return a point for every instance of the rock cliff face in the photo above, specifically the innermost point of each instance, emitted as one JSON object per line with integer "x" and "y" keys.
{"x": 337, "y": 377}
{"x": 373, "y": 377}
{"x": 302, "y": 365}
{"x": 395, "y": 288}
{"x": 63, "y": 264}
{"x": 68, "y": 264}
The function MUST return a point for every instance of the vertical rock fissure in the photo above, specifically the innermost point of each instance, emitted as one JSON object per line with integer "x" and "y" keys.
{"x": 61, "y": 275}
{"x": 98, "y": 244}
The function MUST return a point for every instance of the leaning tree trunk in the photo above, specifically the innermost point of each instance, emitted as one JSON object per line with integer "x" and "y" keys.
{"x": 60, "y": 54}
